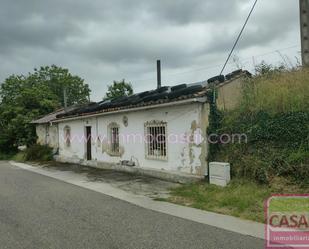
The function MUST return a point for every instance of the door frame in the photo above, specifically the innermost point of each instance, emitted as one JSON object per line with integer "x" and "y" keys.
{"x": 88, "y": 144}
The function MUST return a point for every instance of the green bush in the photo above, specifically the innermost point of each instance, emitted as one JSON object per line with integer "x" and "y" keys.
{"x": 38, "y": 152}
{"x": 290, "y": 129}
{"x": 19, "y": 157}
{"x": 262, "y": 162}
{"x": 6, "y": 156}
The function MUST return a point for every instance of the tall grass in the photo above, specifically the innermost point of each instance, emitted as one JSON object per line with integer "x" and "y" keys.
{"x": 274, "y": 114}
{"x": 277, "y": 92}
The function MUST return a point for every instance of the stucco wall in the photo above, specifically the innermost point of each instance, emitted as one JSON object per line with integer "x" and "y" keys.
{"x": 229, "y": 94}
{"x": 41, "y": 134}
{"x": 183, "y": 121}
{"x": 47, "y": 135}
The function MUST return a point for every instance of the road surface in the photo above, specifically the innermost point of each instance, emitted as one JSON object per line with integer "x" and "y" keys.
{"x": 40, "y": 212}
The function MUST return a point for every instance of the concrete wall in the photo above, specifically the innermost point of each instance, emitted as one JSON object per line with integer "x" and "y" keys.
{"x": 190, "y": 120}
{"x": 47, "y": 135}
{"x": 229, "y": 94}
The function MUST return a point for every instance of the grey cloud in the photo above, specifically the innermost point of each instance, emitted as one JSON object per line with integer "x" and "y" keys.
{"x": 113, "y": 39}
{"x": 183, "y": 11}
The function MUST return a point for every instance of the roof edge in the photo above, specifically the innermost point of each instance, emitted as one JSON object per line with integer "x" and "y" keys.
{"x": 134, "y": 109}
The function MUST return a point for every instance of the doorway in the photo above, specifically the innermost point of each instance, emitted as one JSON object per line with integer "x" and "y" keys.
{"x": 88, "y": 143}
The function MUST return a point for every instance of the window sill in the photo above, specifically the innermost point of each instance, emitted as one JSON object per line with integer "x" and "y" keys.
{"x": 154, "y": 158}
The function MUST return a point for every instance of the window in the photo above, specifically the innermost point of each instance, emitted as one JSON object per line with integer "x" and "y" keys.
{"x": 114, "y": 138}
{"x": 156, "y": 146}
{"x": 67, "y": 136}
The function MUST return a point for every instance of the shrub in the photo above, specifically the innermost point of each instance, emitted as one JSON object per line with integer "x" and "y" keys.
{"x": 19, "y": 157}
{"x": 38, "y": 152}
{"x": 290, "y": 129}
{"x": 6, "y": 156}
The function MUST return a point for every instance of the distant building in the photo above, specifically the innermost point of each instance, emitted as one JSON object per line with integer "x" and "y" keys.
{"x": 154, "y": 132}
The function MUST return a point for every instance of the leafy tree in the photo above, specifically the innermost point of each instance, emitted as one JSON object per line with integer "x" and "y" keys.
{"x": 24, "y": 98}
{"x": 119, "y": 89}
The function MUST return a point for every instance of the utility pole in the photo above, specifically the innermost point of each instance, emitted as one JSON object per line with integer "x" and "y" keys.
{"x": 65, "y": 99}
{"x": 304, "y": 31}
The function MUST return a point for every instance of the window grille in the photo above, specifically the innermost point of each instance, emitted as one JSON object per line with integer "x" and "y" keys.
{"x": 156, "y": 145}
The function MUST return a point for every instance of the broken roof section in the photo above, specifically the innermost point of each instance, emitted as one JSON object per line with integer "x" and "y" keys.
{"x": 158, "y": 96}
{"x": 52, "y": 116}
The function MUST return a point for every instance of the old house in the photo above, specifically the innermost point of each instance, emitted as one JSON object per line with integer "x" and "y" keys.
{"x": 154, "y": 132}
{"x": 47, "y": 132}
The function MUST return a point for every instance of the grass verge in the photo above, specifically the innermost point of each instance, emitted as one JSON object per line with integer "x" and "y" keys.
{"x": 241, "y": 198}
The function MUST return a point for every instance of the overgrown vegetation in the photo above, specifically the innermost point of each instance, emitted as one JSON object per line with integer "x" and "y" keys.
{"x": 274, "y": 114}
{"x": 19, "y": 157}
{"x": 6, "y": 156}
{"x": 277, "y": 92}
{"x": 241, "y": 198}
{"x": 38, "y": 152}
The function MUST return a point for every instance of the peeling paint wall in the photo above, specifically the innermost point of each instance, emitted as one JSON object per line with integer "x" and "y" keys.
{"x": 186, "y": 129}
{"x": 41, "y": 134}
{"x": 47, "y": 135}
{"x": 204, "y": 121}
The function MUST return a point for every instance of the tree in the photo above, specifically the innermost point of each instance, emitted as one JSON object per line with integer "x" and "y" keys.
{"x": 119, "y": 89}
{"x": 27, "y": 97}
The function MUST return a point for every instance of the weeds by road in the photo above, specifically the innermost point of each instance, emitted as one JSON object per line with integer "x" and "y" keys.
{"x": 241, "y": 198}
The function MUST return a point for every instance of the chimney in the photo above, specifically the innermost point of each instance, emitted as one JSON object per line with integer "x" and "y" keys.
{"x": 158, "y": 74}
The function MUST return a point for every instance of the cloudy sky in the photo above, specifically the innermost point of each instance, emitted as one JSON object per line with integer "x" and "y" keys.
{"x": 106, "y": 40}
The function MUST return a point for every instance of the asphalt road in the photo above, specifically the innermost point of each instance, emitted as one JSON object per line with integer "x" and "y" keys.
{"x": 40, "y": 212}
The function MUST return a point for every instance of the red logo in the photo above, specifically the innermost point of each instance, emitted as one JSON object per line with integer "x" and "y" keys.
{"x": 287, "y": 221}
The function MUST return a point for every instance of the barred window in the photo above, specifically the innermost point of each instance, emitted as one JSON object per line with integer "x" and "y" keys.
{"x": 67, "y": 136}
{"x": 156, "y": 146}
{"x": 114, "y": 138}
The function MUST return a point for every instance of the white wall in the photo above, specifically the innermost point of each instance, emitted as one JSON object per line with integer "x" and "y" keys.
{"x": 41, "y": 134}
{"x": 47, "y": 135}
{"x": 189, "y": 120}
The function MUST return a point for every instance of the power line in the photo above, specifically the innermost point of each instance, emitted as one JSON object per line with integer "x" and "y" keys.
{"x": 275, "y": 51}
{"x": 241, "y": 31}
{"x": 218, "y": 65}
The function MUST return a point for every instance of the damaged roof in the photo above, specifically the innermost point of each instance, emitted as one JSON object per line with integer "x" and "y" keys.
{"x": 158, "y": 96}
{"x": 52, "y": 116}
{"x": 48, "y": 118}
